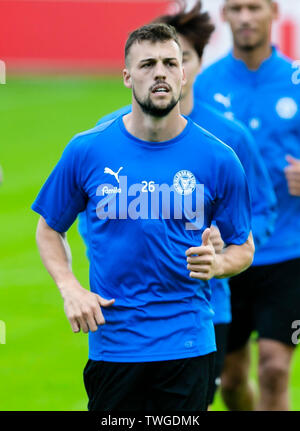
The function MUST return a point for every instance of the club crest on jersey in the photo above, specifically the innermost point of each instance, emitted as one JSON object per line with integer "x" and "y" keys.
{"x": 184, "y": 182}
{"x": 286, "y": 108}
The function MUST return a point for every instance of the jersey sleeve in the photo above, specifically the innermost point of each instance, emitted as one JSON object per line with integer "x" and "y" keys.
{"x": 261, "y": 190}
{"x": 109, "y": 117}
{"x": 62, "y": 196}
{"x": 232, "y": 208}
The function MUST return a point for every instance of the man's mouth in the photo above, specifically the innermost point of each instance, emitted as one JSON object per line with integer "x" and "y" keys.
{"x": 246, "y": 31}
{"x": 160, "y": 88}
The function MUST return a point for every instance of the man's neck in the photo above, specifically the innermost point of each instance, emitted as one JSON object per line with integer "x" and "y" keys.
{"x": 153, "y": 129}
{"x": 253, "y": 58}
{"x": 187, "y": 103}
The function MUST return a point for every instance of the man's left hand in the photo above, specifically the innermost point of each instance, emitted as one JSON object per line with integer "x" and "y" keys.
{"x": 202, "y": 261}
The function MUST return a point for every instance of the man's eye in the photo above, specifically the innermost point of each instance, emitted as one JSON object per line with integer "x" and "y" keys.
{"x": 146, "y": 65}
{"x": 235, "y": 9}
{"x": 254, "y": 8}
{"x": 172, "y": 64}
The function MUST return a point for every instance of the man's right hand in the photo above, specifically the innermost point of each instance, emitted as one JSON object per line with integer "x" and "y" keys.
{"x": 83, "y": 308}
{"x": 292, "y": 174}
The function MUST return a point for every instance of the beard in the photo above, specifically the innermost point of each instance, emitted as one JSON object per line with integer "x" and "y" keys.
{"x": 149, "y": 108}
{"x": 248, "y": 46}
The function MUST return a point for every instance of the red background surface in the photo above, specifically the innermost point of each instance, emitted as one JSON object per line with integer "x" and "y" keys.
{"x": 82, "y": 34}
{"x": 70, "y": 33}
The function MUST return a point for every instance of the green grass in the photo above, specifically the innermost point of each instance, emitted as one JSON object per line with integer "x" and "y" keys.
{"x": 42, "y": 361}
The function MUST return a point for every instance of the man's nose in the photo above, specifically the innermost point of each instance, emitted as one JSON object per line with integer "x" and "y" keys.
{"x": 245, "y": 16}
{"x": 160, "y": 71}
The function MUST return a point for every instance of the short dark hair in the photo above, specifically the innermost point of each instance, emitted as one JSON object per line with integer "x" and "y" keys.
{"x": 195, "y": 25}
{"x": 154, "y": 32}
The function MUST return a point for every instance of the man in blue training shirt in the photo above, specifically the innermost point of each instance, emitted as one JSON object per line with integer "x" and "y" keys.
{"x": 254, "y": 83}
{"x": 151, "y": 183}
{"x": 194, "y": 29}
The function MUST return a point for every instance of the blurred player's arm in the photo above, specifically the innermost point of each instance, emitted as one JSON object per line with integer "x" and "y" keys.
{"x": 292, "y": 174}
{"x": 204, "y": 262}
{"x": 264, "y": 203}
{"x": 82, "y": 307}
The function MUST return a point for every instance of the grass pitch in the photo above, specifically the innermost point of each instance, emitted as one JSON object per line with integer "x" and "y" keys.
{"x": 42, "y": 360}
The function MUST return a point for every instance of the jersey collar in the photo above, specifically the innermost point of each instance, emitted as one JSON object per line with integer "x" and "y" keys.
{"x": 239, "y": 68}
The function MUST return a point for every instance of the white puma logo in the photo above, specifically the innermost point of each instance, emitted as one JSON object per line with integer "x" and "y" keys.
{"x": 115, "y": 174}
{"x": 226, "y": 101}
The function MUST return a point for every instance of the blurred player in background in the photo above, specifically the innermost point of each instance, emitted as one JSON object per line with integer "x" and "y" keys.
{"x": 194, "y": 29}
{"x": 140, "y": 179}
{"x": 254, "y": 84}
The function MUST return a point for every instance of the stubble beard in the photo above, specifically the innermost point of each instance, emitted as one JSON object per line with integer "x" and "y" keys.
{"x": 149, "y": 108}
{"x": 250, "y": 46}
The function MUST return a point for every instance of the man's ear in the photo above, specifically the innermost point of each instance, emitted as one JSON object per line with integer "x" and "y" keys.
{"x": 275, "y": 10}
{"x": 183, "y": 76}
{"x": 223, "y": 13}
{"x": 200, "y": 65}
{"x": 127, "y": 78}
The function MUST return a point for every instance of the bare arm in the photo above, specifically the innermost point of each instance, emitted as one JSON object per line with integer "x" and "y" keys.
{"x": 82, "y": 307}
{"x": 204, "y": 263}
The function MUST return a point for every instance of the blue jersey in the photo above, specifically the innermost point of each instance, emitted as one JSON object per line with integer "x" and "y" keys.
{"x": 146, "y": 204}
{"x": 240, "y": 140}
{"x": 268, "y": 103}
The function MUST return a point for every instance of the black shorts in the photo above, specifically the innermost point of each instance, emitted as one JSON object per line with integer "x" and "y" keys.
{"x": 265, "y": 299}
{"x": 221, "y": 332}
{"x": 176, "y": 385}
